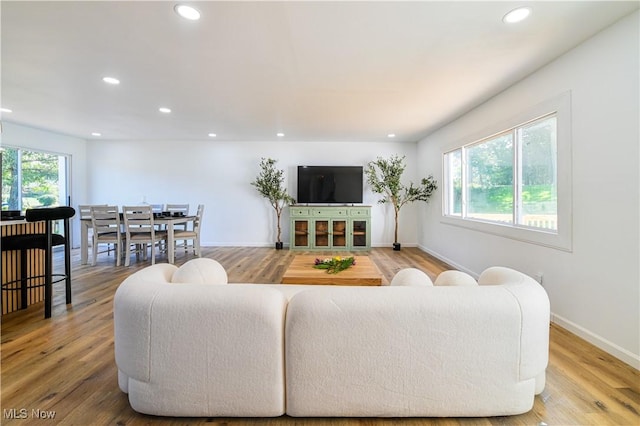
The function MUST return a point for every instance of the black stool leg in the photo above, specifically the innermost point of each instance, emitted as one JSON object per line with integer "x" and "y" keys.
{"x": 48, "y": 270}
{"x": 24, "y": 279}
{"x": 67, "y": 261}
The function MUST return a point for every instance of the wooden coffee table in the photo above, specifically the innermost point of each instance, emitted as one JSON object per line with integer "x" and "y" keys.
{"x": 301, "y": 271}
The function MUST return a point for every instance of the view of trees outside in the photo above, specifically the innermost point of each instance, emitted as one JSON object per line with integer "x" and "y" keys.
{"x": 454, "y": 183}
{"x": 30, "y": 179}
{"x": 491, "y": 192}
{"x": 539, "y": 186}
{"x": 490, "y": 179}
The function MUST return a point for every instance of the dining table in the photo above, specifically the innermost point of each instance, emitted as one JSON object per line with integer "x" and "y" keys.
{"x": 168, "y": 221}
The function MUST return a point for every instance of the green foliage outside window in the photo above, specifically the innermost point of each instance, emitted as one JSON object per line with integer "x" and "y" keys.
{"x": 29, "y": 179}
{"x": 521, "y": 161}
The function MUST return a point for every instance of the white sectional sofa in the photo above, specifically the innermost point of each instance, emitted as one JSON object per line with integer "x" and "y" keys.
{"x": 185, "y": 347}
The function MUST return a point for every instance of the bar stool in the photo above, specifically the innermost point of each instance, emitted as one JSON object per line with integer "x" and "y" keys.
{"x": 45, "y": 242}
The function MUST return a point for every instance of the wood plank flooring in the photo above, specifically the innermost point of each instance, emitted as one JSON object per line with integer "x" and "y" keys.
{"x": 62, "y": 369}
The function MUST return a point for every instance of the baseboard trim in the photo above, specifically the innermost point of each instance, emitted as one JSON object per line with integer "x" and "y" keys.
{"x": 451, "y": 262}
{"x": 611, "y": 348}
{"x": 218, "y": 244}
{"x": 390, "y": 245}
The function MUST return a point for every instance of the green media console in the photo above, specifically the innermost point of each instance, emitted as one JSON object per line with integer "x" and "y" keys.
{"x": 330, "y": 227}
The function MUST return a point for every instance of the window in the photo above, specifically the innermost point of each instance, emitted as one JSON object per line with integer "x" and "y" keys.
{"x": 516, "y": 182}
{"x": 509, "y": 178}
{"x": 33, "y": 179}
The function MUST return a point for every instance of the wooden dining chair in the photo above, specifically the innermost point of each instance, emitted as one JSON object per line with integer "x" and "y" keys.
{"x": 105, "y": 221}
{"x": 192, "y": 235}
{"x": 140, "y": 231}
{"x": 179, "y": 209}
{"x": 84, "y": 212}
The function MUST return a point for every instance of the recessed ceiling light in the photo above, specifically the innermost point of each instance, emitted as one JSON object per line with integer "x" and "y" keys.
{"x": 164, "y": 110}
{"x": 516, "y": 15}
{"x": 391, "y": 135}
{"x": 96, "y": 134}
{"x": 212, "y": 135}
{"x": 187, "y": 12}
{"x": 280, "y": 135}
{"x": 111, "y": 80}
{"x": 6, "y": 110}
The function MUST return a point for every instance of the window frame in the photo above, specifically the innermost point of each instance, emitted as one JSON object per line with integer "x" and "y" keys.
{"x": 559, "y": 106}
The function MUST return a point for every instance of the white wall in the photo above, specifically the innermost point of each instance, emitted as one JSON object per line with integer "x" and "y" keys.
{"x": 31, "y": 138}
{"x": 218, "y": 175}
{"x": 594, "y": 289}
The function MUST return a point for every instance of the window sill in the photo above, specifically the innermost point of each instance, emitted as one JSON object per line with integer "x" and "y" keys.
{"x": 560, "y": 240}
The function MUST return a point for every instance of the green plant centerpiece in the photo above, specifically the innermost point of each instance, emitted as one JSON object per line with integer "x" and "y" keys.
{"x": 335, "y": 264}
{"x": 269, "y": 184}
{"x": 384, "y": 177}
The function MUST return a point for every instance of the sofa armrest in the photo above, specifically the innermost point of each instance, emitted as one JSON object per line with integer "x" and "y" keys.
{"x": 132, "y": 317}
{"x": 536, "y": 316}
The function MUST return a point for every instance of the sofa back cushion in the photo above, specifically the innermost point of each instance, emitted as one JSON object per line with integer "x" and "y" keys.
{"x": 409, "y": 351}
{"x": 200, "y": 271}
{"x": 200, "y": 350}
{"x": 455, "y": 278}
{"x": 411, "y": 277}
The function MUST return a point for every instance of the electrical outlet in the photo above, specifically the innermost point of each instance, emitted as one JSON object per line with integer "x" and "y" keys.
{"x": 539, "y": 277}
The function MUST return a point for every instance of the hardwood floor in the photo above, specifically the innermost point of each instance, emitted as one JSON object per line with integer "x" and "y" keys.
{"x": 63, "y": 368}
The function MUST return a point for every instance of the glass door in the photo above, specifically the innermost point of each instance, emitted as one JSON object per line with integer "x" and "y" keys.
{"x": 33, "y": 179}
{"x": 322, "y": 233}
{"x": 301, "y": 233}
{"x": 339, "y": 233}
{"x": 359, "y": 233}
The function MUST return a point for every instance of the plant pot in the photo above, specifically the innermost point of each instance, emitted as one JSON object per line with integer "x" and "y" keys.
{"x": 396, "y": 246}
{"x": 279, "y": 245}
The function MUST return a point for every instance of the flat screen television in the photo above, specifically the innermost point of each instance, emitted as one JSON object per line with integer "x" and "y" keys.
{"x": 329, "y": 184}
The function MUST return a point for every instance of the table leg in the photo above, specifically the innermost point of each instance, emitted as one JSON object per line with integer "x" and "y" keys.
{"x": 170, "y": 249}
{"x": 84, "y": 241}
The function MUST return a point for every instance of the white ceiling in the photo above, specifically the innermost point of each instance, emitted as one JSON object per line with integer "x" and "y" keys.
{"x": 325, "y": 71}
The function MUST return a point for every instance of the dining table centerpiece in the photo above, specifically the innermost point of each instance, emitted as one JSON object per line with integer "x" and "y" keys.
{"x": 335, "y": 264}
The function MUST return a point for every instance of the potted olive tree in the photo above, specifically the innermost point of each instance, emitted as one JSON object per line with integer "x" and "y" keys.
{"x": 269, "y": 185}
{"x": 384, "y": 177}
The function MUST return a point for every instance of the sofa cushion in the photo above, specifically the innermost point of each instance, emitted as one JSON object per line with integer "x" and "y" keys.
{"x": 411, "y": 277}
{"x": 200, "y": 271}
{"x": 456, "y": 278}
{"x": 408, "y": 351}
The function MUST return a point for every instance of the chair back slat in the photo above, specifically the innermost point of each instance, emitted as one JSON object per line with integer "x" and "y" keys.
{"x": 138, "y": 222}
{"x": 105, "y": 220}
{"x": 178, "y": 208}
{"x": 84, "y": 210}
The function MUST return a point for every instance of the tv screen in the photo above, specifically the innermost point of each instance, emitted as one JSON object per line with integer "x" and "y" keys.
{"x": 329, "y": 184}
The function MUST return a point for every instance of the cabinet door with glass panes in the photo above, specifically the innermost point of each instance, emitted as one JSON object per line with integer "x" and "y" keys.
{"x": 360, "y": 235}
{"x": 300, "y": 234}
{"x": 360, "y": 228}
{"x": 330, "y": 234}
{"x": 300, "y": 228}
